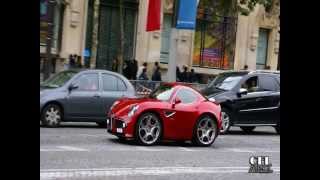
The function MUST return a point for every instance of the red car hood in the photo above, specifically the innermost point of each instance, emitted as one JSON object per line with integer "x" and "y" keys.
{"x": 124, "y": 104}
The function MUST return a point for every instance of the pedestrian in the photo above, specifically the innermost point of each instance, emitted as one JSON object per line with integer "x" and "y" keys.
{"x": 156, "y": 65}
{"x": 65, "y": 64}
{"x": 126, "y": 69}
{"x": 141, "y": 68}
{"x": 156, "y": 76}
{"x": 178, "y": 74}
{"x": 143, "y": 75}
{"x": 114, "y": 67}
{"x": 71, "y": 61}
{"x": 134, "y": 69}
{"x": 192, "y": 76}
{"x": 79, "y": 64}
{"x": 185, "y": 75}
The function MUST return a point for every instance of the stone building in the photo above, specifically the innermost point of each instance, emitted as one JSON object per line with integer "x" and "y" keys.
{"x": 92, "y": 26}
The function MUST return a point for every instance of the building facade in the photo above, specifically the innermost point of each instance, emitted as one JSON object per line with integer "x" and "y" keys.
{"x": 91, "y": 29}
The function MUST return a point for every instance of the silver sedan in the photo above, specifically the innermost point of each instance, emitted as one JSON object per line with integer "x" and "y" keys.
{"x": 81, "y": 96}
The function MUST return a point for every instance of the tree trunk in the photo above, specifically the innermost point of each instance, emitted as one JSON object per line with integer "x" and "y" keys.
{"x": 120, "y": 53}
{"x": 48, "y": 61}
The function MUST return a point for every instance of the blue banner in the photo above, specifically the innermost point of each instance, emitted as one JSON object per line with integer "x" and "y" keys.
{"x": 186, "y": 16}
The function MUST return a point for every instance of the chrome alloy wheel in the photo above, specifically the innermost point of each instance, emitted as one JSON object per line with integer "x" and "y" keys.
{"x": 52, "y": 116}
{"x": 225, "y": 122}
{"x": 149, "y": 129}
{"x": 206, "y": 131}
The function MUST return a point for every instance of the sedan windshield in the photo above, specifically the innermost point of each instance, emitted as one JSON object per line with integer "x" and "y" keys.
{"x": 226, "y": 82}
{"x": 58, "y": 80}
{"x": 162, "y": 93}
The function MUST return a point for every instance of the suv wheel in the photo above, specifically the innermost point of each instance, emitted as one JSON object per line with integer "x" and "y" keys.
{"x": 226, "y": 120}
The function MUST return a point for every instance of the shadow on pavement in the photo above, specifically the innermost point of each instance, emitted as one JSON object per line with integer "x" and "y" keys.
{"x": 77, "y": 125}
{"x": 240, "y": 132}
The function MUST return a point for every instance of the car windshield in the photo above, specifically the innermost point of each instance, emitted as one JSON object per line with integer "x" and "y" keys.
{"x": 58, "y": 80}
{"x": 162, "y": 93}
{"x": 226, "y": 81}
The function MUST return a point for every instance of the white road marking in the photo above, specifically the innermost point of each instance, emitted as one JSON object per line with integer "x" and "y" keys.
{"x": 186, "y": 149}
{"x": 105, "y": 172}
{"x": 71, "y": 148}
{"x": 61, "y": 149}
{"x": 149, "y": 149}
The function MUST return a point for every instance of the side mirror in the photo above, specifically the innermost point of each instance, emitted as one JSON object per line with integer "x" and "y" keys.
{"x": 176, "y": 101}
{"x": 242, "y": 91}
{"x": 72, "y": 87}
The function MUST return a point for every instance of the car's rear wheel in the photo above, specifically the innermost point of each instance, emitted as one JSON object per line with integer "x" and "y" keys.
{"x": 51, "y": 115}
{"x": 205, "y": 131}
{"x": 226, "y": 120}
{"x": 247, "y": 129}
{"x": 148, "y": 129}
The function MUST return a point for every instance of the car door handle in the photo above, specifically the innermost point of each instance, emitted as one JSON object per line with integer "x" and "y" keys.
{"x": 96, "y": 96}
{"x": 259, "y": 99}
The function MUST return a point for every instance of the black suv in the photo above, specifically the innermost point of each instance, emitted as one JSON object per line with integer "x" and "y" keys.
{"x": 248, "y": 99}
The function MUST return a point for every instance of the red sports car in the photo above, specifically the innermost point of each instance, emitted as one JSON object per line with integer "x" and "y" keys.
{"x": 171, "y": 112}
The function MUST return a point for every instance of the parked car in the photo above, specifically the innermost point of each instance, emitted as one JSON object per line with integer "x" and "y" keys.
{"x": 81, "y": 95}
{"x": 247, "y": 98}
{"x": 170, "y": 112}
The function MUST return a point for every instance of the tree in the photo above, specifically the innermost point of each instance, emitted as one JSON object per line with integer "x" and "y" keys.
{"x": 120, "y": 53}
{"x": 244, "y": 7}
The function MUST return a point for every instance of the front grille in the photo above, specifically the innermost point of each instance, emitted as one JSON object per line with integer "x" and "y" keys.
{"x": 119, "y": 123}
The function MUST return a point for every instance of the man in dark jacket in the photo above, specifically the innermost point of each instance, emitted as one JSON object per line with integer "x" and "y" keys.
{"x": 184, "y": 74}
{"x": 192, "y": 76}
{"x": 156, "y": 76}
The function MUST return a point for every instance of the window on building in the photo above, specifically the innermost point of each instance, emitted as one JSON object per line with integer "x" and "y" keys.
{"x": 262, "y": 49}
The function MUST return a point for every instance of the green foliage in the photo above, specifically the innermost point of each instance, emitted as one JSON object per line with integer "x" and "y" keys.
{"x": 227, "y": 7}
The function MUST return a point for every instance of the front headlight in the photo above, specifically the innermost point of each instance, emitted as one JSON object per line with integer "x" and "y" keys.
{"x": 114, "y": 105}
{"x": 212, "y": 99}
{"x": 133, "y": 110}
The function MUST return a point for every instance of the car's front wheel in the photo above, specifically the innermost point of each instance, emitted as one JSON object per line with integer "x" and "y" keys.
{"x": 247, "y": 129}
{"x": 226, "y": 116}
{"x": 205, "y": 131}
{"x": 51, "y": 115}
{"x": 148, "y": 129}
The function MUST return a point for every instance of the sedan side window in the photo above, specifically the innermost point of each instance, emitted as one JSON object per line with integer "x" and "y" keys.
{"x": 251, "y": 84}
{"x": 186, "y": 96}
{"x": 110, "y": 82}
{"x": 87, "y": 82}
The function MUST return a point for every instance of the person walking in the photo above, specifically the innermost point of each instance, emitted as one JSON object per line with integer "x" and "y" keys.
{"x": 178, "y": 74}
{"x": 192, "y": 76}
{"x": 184, "y": 75}
{"x": 114, "y": 67}
{"x": 79, "y": 64}
{"x": 143, "y": 75}
{"x": 156, "y": 76}
{"x": 71, "y": 61}
{"x": 126, "y": 69}
{"x": 141, "y": 68}
{"x": 134, "y": 69}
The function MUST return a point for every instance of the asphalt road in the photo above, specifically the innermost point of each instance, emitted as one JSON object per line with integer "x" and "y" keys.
{"x": 84, "y": 151}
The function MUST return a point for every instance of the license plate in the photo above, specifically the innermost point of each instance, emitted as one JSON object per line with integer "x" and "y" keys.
{"x": 119, "y": 130}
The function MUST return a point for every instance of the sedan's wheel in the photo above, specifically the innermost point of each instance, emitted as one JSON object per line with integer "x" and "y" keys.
{"x": 148, "y": 131}
{"x": 277, "y": 128}
{"x": 247, "y": 129}
{"x": 226, "y": 121}
{"x": 206, "y": 131}
{"x": 51, "y": 115}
